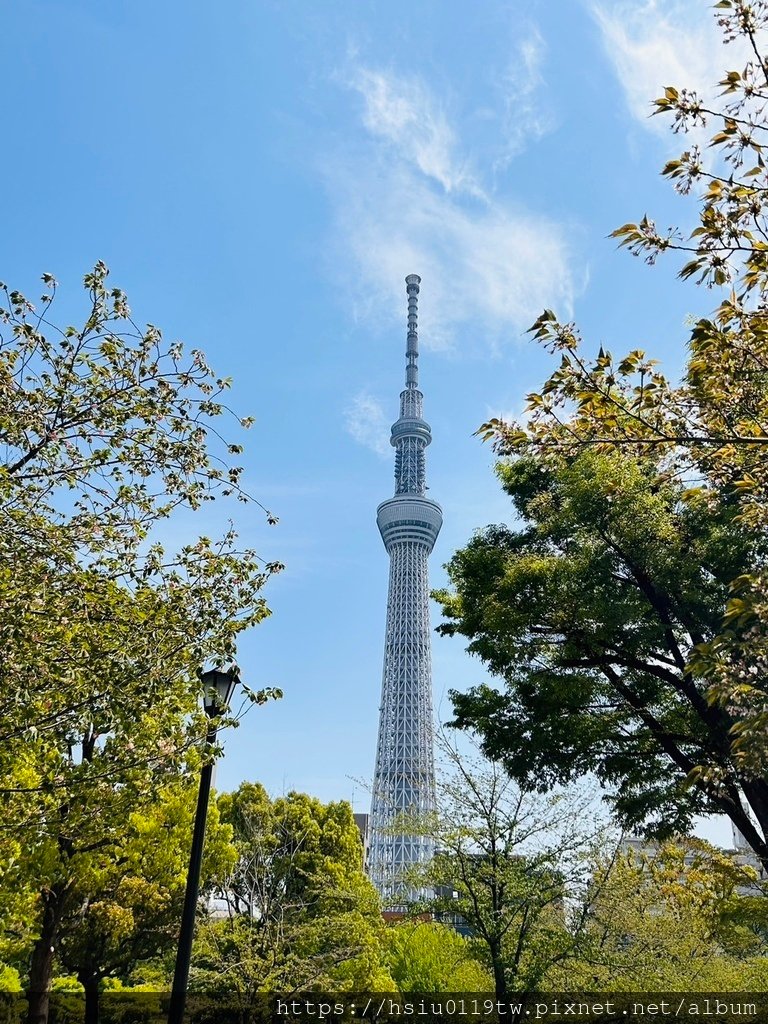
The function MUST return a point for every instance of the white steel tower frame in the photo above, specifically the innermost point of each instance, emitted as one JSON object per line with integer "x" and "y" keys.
{"x": 404, "y": 777}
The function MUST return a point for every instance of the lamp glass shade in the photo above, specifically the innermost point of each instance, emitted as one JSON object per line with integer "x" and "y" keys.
{"x": 218, "y": 688}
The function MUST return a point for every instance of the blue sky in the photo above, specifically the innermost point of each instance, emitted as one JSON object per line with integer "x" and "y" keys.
{"x": 261, "y": 176}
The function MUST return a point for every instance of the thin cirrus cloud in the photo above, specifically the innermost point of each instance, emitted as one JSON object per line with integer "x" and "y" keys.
{"x": 657, "y": 43}
{"x": 403, "y": 114}
{"x": 524, "y": 115}
{"x": 408, "y": 197}
{"x": 367, "y": 423}
{"x": 486, "y": 272}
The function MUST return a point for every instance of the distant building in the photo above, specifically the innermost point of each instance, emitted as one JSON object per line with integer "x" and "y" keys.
{"x": 741, "y": 854}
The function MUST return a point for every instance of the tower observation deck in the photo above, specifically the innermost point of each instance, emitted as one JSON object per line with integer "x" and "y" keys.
{"x": 409, "y": 522}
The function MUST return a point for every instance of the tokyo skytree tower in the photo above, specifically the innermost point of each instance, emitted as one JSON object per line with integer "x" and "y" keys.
{"x": 404, "y": 777}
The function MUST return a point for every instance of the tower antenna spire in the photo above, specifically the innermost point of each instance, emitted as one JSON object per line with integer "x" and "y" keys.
{"x": 412, "y": 352}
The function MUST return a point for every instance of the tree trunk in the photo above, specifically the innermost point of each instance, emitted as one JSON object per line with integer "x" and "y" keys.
{"x": 743, "y": 822}
{"x": 90, "y": 983}
{"x": 499, "y": 975}
{"x": 41, "y": 965}
{"x": 756, "y": 794}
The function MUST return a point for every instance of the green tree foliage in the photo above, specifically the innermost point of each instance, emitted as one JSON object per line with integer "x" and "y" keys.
{"x": 107, "y": 430}
{"x": 704, "y": 728}
{"x": 108, "y": 410}
{"x": 664, "y": 921}
{"x": 590, "y": 611}
{"x": 428, "y": 956}
{"x": 74, "y": 788}
{"x": 506, "y": 860}
{"x": 300, "y": 912}
{"x": 127, "y": 902}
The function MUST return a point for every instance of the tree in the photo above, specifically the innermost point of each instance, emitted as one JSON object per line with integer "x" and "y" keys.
{"x": 106, "y": 431}
{"x": 128, "y": 901}
{"x": 589, "y": 612}
{"x": 512, "y": 865}
{"x": 428, "y": 956}
{"x": 665, "y": 920}
{"x": 301, "y": 914}
{"x": 714, "y": 423}
{"x": 708, "y": 431}
{"x": 136, "y": 731}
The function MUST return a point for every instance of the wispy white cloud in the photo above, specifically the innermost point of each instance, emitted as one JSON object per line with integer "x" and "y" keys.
{"x": 367, "y": 423}
{"x": 487, "y": 271}
{"x": 656, "y": 43}
{"x": 408, "y": 201}
{"x": 404, "y": 113}
{"x": 525, "y": 115}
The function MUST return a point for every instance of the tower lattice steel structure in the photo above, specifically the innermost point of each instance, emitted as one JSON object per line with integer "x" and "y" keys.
{"x": 404, "y": 777}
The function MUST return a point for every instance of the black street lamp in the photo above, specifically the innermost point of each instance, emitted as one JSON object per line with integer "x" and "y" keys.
{"x": 218, "y": 688}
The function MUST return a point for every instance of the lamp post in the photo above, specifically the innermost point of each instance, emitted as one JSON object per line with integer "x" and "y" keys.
{"x": 218, "y": 688}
